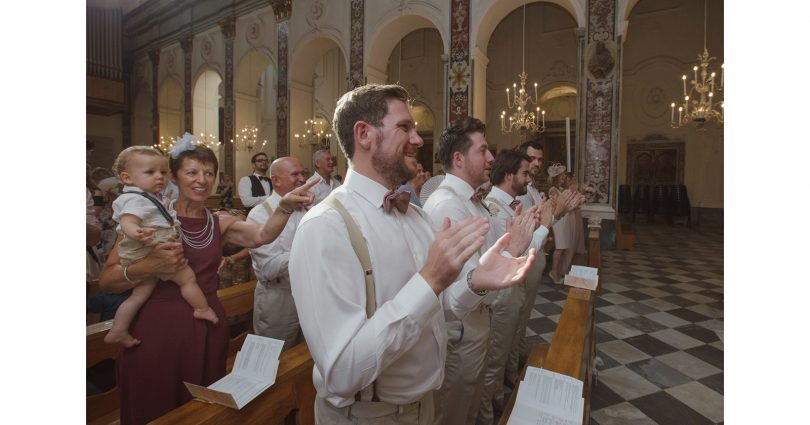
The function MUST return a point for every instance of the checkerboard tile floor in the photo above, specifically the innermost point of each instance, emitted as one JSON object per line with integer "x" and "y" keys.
{"x": 659, "y": 327}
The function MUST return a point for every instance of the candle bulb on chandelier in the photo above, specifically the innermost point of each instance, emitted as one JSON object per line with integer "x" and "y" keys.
{"x": 684, "y": 84}
{"x": 680, "y": 111}
{"x": 695, "y": 80}
{"x": 686, "y": 104}
{"x": 535, "y": 92}
{"x": 537, "y": 116}
{"x": 544, "y": 118}
{"x": 507, "y": 97}
{"x": 672, "y": 115}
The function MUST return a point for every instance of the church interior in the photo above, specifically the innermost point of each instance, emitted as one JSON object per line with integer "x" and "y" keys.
{"x": 603, "y": 81}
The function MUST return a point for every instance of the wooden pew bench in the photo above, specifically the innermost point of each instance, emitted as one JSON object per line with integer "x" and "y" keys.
{"x": 625, "y": 237}
{"x": 103, "y": 408}
{"x": 573, "y": 347}
{"x": 290, "y": 398}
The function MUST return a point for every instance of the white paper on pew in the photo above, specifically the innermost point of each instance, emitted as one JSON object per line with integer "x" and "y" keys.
{"x": 254, "y": 370}
{"x": 582, "y": 277}
{"x": 548, "y": 398}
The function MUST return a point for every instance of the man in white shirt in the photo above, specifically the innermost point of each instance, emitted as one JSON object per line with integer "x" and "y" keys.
{"x": 255, "y": 188}
{"x": 568, "y": 201}
{"x": 466, "y": 159}
{"x": 378, "y": 359}
{"x": 510, "y": 177}
{"x": 324, "y": 165}
{"x": 274, "y": 314}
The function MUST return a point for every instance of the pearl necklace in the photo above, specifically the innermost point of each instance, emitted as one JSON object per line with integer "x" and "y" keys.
{"x": 202, "y": 238}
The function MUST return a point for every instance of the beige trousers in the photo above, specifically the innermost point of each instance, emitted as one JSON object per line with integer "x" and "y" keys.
{"x": 274, "y": 314}
{"x": 458, "y": 398}
{"x": 519, "y": 344}
{"x": 505, "y": 317}
{"x": 375, "y": 413}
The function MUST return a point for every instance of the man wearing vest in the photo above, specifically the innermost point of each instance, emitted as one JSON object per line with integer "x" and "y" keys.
{"x": 324, "y": 166}
{"x": 255, "y": 188}
{"x": 466, "y": 159}
{"x": 274, "y": 314}
{"x": 372, "y": 281}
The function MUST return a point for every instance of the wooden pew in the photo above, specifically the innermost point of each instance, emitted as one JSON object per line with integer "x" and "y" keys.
{"x": 573, "y": 347}
{"x": 292, "y": 393}
{"x": 103, "y": 408}
{"x": 625, "y": 237}
{"x": 237, "y": 300}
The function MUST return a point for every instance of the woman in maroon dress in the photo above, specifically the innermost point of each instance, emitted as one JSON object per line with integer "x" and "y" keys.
{"x": 175, "y": 347}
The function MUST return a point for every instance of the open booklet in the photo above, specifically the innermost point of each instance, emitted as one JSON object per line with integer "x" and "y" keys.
{"x": 548, "y": 398}
{"x": 583, "y": 277}
{"x": 254, "y": 370}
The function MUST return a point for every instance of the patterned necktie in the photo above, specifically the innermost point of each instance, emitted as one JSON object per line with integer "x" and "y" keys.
{"x": 398, "y": 200}
{"x": 514, "y": 204}
{"x": 478, "y": 195}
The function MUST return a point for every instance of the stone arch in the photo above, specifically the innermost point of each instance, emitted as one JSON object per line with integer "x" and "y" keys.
{"x": 395, "y": 28}
{"x": 498, "y": 10}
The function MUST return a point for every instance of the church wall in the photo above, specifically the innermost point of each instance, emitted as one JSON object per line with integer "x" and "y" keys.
{"x": 105, "y": 133}
{"x": 664, "y": 38}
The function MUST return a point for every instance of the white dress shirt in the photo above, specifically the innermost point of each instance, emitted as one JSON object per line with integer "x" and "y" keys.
{"x": 531, "y": 198}
{"x": 270, "y": 261}
{"x": 246, "y": 195}
{"x": 458, "y": 206}
{"x": 402, "y": 346}
{"x": 322, "y": 189}
{"x": 498, "y": 202}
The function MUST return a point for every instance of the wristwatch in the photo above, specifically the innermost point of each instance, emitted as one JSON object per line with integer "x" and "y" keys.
{"x": 479, "y": 292}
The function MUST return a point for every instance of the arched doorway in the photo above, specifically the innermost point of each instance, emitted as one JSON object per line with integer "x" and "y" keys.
{"x": 170, "y": 108}
{"x": 207, "y": 102}
{"x": 255, "y": 104}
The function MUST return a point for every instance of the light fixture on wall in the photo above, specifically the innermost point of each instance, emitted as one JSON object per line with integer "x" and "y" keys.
{"x": 700, "y": 103}
{"x": 316, "y": 133}
{"x": 207, "y": 140}
{"x": 521, "y": 119}
{"x": 247, "y": 140}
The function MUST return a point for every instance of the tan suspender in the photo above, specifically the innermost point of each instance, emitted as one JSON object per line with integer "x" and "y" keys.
{"x": 361, "y": 250}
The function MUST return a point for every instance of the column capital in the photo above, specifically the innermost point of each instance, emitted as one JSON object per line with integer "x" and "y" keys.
{"x": 187, "y": 44}
{"x": 228, "y": 27}
{"x": 154, "y": 56}
{"x": 282, "y": 9}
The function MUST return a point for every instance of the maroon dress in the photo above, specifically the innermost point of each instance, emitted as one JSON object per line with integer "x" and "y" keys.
{"x": 175, "y": 347}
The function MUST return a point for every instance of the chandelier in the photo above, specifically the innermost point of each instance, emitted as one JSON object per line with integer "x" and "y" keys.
{"x": 316, "y": 133}
{"x": 521, "y": 119}
{"x": 207, "y": 140}
{"x": 247, "y": 140}
{"x": 699, "y": 103}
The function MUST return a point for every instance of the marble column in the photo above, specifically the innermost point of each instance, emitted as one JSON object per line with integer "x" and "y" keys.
{"x": 458, "y": 81}
{"x": 154, "y": 57}
{"x": 600, "y": 69}
{"x": 357, "y": 27}
{"x": 228, "y": 27}
{"x": 282, "y": 9}
{"x": 188, "y": 107}
{"x": 126, "y": 116}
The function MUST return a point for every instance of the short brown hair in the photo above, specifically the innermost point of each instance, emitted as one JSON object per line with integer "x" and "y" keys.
{"x": 507, "y": 162}
{"x": 199, "y": 153}
{"x": 456, "y": 138}
{"x": 120, "y": 164}
{"x": 367, "y": 103}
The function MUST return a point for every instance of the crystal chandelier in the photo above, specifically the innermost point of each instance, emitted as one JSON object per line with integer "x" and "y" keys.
{"x": 521, "y": 119}
{"x": 207, "y": 140}
{"x": 699, "y": 103}
{"x": 247, "y": 140}
{"x": 316, "y": 133}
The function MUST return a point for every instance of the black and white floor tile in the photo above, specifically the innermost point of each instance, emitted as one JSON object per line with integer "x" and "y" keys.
{"x": 659, "y": 328}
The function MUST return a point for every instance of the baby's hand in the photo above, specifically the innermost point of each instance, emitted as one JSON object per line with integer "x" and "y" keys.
{"x": 144, "y": 234}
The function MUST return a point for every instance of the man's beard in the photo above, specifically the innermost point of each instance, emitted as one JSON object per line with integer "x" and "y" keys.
{"x": 391, "y": 168}
{"x": 520, "y": 189}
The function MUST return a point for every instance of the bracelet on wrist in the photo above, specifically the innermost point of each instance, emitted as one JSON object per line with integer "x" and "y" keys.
{"x": 284, "y": 210}
{"x": 127, "y": 277}
{"x": 479, "y": 292}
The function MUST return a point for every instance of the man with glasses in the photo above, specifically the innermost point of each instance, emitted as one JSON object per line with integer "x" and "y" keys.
{"x": 255, "y": 188}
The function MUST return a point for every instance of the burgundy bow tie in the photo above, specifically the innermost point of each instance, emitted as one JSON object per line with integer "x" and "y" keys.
{"x": 514, "y": 204}
{"x": 398, "y": 200}
{"x": 478, "y": 195}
